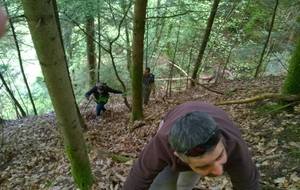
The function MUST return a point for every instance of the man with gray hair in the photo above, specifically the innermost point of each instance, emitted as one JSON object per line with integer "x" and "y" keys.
{"x": 194, "y": 139}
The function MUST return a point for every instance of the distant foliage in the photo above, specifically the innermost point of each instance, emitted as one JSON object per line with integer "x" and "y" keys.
{"x": 174, "y": 32}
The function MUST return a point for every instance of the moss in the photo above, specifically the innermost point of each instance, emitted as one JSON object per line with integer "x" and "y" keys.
{"x": 273, "y": 108}
{"x": 292, "y": 134}
{"x": 49, "y": 183}
{"x": 294, "y": 153}
{"x": 291, "y": 84}
{"x": 81, "y": 170}
{"x": 119, "y": 158}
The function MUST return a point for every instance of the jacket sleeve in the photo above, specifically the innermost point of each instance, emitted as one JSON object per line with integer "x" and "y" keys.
{"x": 91, "y": 91}
{"x": 152, "y": 77}
{"x": 151, "y": 161}
{"x": 113, "y": 90}
{"x": 242, "y": 170}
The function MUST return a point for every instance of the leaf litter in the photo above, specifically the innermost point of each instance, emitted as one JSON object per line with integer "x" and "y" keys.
{"x": 32, "y": 154}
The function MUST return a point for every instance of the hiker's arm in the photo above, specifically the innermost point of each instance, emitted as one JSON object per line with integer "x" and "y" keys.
{"x": 113, "y": 90}
{"x": 150, "y": 162}
{"x": 152, "y": 78}
{"x": 242, "y": 171}
{"x": 90, "y": 92}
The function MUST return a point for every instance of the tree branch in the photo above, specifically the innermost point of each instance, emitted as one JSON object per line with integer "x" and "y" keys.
{"x": 195, "y": 81}
{"x": 171, "y": 16}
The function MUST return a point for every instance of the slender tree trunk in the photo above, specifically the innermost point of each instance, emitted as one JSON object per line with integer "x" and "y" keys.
{"x": 90, "y": 29}
{"x": 12, "y": 96}
{"x": 158, "y": 34}
{"x": 170, "y": 55}
{"x": 147, "y": 41}
{"x": 258, "y": 68}
{"x": 12, "y": 85}
{"x": 173, "y": 60}
{"x": 226, "y": 63}
{"x": 128, "y": 50}
{"x": 128, "y": 43}
{"x": 118, "y": 76}
{"x": 20, "y": 60}
{"x": 210, "y": 22}
{"x": 99, "y": 40}
{"x": 189, "y": 66}
{"x": 46, "y": 36}
{"x": 137, "y": 58}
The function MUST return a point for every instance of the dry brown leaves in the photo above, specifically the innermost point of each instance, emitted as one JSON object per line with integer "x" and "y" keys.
{"x": 32, "y": 155}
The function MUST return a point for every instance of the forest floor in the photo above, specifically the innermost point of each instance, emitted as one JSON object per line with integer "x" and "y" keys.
{"x": 32, "y": 155}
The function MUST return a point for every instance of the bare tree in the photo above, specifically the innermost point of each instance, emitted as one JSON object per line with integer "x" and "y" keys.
{"x": 210, "y": 22}
{"x": 16, "y": 103}
{"x": 20, "y": 58}
{"x": 258, "y": 68}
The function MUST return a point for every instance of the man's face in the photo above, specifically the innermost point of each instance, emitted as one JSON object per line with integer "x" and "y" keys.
{"x": 211, "y": 163}
{"x": 146, "y": 72}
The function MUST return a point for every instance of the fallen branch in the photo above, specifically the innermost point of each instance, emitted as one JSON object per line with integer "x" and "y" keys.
{"x": 195, "y": 81}
{"x": 115, "y": 157}
{"x": 137, "y": 124}
{"x": 274, "y": 96}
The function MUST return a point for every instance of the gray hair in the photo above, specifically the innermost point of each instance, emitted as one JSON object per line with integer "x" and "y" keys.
{"x": 191, "y": 130}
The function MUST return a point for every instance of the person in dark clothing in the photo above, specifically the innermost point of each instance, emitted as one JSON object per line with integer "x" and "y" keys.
{"x": 194, "y": 139}
{"x": 100, "y": 93}
{"x": 148, "y": 85}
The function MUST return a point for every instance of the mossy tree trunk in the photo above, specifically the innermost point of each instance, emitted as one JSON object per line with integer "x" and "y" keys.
{"x": 291, "y": 84}
{"x": 91, "y": 55}
{"x": 137, "y": 58}
{"x": 44, "y": 28}
{"x": 258, "y": 68}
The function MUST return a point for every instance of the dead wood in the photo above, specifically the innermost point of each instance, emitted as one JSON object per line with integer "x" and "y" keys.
{"x": 265, "y": 96}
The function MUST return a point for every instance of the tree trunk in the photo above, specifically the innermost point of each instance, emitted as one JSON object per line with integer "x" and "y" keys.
{"x": 291, "y": 83}
{"x": 137, "y": 58}
{"x": 127, "y": 39}
{"x": 44, "y": 28}
{"x": 210, "y": 22}
{"x": 99, "y": 40}
{"x": 12, "y": 96}
{"x": 20, "y": 60}
{"x": 173, "y": 60}
{"x": 258, "y": 68}
{"x": 146, "y": 47}
{"x": 91, "y": 56}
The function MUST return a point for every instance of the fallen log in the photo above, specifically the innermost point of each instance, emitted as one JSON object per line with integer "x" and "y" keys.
{"x": 265, "y": 96}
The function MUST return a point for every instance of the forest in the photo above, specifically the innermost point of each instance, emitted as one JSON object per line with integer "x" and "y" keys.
{"x": 242, "y": 56}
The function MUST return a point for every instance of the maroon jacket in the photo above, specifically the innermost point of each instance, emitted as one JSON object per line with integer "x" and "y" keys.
{"x": 158, "y": 153}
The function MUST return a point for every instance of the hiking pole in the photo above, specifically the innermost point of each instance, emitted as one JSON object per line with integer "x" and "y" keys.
{"x": 90, "y": 99}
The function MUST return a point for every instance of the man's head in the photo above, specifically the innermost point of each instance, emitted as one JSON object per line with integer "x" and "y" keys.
{"x": 99, "y": 84}
{"x": 147, "y": 71}
{"x": 196, "y": 140}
